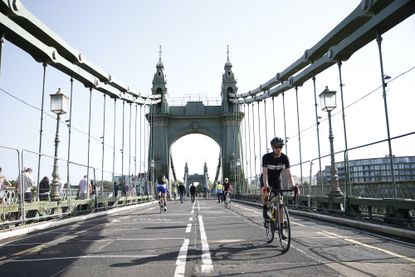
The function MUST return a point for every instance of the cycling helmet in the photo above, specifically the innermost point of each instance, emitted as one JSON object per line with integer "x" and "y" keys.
{"x": 277, "y": 141}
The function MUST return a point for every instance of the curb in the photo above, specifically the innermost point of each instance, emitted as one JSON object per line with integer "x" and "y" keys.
{"x": 18, "y": 231}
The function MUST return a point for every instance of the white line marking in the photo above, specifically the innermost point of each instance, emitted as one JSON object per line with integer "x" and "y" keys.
{"x": 207, "y": 265}
{"x": 332, "y": 235}
{"x": 181, "y": 259}
{"x": 189, "y": 227}
{"x": 296, "y": 223}
{"x": 105, "y": 245}
{"x": 229, "y": 240}
{"x": 81, "y": 257}
{"x": 150, "y": 239}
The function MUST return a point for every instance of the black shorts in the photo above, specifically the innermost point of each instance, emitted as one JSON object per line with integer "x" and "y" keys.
{"x": 274, "y": 187}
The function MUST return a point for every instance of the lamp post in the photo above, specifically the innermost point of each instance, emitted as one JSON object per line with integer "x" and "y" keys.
{"x": 59, "y": 105}
{"x": 328, "y": 103}
{"x": 152, "y": 164}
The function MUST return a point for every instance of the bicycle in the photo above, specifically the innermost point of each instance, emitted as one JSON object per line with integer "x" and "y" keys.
{"x": 227, "y": 202}
{"x": 162, "y": 204}
{"x": 276, "y": 224}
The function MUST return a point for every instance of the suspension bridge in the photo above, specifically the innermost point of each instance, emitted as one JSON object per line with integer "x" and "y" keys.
{"x": 355, "y": 215}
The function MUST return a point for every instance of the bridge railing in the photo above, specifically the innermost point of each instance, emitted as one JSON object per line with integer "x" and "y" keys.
{"x": 378, "y": 201}
{"x": 181, "y": 101}
{"x": 15, "y": 210}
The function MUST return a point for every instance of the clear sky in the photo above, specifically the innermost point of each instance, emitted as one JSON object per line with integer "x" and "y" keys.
{"x": 265, "y": 37}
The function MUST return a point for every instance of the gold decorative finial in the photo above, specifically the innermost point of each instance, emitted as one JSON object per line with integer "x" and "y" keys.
{"x": 227, "y": 53}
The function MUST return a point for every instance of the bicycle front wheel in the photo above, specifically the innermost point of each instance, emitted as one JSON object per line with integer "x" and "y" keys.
{"x": 269, "y": 230}
{"x": 284, "y": 230}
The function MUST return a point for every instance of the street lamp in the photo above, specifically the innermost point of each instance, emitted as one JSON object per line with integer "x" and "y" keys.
{"x": 59, "y": 103}
{"x": 328, "y": 103}
{"x": 152, "y": 164}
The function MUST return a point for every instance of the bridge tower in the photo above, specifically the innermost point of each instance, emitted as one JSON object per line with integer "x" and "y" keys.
{"x": 169, "y": 123}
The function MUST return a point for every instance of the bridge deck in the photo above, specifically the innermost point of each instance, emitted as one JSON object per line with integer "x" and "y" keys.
{"x": 202, "y": 239}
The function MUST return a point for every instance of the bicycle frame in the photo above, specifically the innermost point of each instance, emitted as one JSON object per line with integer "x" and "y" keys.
{"x": 227, "y": 202}
{"x": 161, "y": 203}
{"x": 279, "y": 221}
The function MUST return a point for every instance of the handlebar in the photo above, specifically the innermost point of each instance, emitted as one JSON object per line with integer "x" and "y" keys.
{"x": 281, "y": 191}
{"x": 284, "y": 190}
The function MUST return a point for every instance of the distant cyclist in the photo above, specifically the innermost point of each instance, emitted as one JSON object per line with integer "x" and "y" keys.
{"x": 273, "y": 164}
{"x": 162, "y": 190}
{"x": 192, "y": 192}
{"x": 182, "y": 191}
{"x": 219, "y": 191}
{"x": 227, "y": 188}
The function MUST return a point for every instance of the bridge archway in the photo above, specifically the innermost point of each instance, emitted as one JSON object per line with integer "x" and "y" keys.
{"x": 219, "y": 122}
{"x": 205, "y": 152}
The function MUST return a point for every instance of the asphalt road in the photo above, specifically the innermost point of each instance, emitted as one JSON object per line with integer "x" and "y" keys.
{"x": 203, "y": 239}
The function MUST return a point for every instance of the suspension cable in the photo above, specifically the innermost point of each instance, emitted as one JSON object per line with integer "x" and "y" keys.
{"x": 122, "y": 143}
{"x": 244, "y": 159}
{"x": 129, "y": 150}
{"x": 135, "y": 141}
{"x": 253, "y": 132}
{"x": 259, "y": 134}
{"x": 141, "y": 140}
{"x": 285, "y": 124}
{"x": 89, "y": 136}
{"x": 249, "y": 144}
{"x": 113, "y": 140}
{"x": 69, "y": 139}
{"x": 266, "y": 126}
{"x": 273, "y": 116}
{"x": 318, "y": 135}
{"x": 234, "y": 129}
{"x": 41, "y": 123}
{"x": 299, "y": 135}
{"x": 103, "y": 142}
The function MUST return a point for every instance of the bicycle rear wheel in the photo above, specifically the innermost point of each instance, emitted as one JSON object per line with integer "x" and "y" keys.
{"x": 284, "y": 231}
{"x": 161, "y": 204}
{"x": 228, "y": 201}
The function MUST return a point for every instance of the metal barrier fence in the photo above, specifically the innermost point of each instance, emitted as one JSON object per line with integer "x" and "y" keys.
{"x": 16, "y": 210}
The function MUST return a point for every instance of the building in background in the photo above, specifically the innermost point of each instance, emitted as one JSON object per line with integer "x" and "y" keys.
{"x": 373, "y": 170}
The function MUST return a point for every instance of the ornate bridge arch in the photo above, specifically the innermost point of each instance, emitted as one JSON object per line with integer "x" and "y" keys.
{"x": 220, "y": 122}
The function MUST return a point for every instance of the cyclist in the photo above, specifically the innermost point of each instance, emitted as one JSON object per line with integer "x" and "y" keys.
{"x": 227, "y": 188}
{"x": 182, "y": 191}
{"x": 192, "y": 192}
{"x": 162, "y": 190}
{"x": 219, "y": 191}
{"x": 273, "y": 164}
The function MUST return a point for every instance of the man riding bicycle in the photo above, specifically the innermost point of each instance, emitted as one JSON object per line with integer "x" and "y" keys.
{"x": 192, "y": 192}
{"x": 162, "y": 190}
{"x": 227, "y": 188}
{"x": 273, "y": 164}
{"x": 182, "y": 191}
